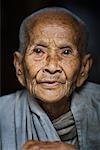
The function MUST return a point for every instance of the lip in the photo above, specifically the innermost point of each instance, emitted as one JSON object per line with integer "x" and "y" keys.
{"x": 50, "y": 85}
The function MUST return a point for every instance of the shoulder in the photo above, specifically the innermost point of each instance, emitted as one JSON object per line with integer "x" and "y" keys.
{"x": 8, "y": 99}
{"x": 87, "y": 111}
{"x": 89, "y": 96}
{"x": 7, "y": 102}
{"x": 90, "y": 89}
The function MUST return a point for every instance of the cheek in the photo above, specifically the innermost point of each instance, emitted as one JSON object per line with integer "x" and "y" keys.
{"x": 71, "y": 68}
{"x": 33, "y": 66}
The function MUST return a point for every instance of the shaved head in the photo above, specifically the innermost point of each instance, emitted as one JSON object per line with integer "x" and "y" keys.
{"x": 53, "y": 43}
{"x": 53, "y": 15}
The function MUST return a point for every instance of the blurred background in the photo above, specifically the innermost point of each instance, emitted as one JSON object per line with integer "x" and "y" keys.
{"x": 12, "y": 14}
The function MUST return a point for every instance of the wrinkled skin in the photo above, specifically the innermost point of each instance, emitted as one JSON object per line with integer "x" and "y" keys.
{"x": 51, "y": 62}
{"x": 50, "y": 73}
{"x": 50, "y": 69}
{"x": 36, "y": 145}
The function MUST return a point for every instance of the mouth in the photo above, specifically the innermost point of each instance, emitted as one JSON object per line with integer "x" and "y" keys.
{"x": 50, "y": 84}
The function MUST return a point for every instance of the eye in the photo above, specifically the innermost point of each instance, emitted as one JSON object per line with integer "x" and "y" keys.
{"x": 67, "y": 52}
{"x": 38, "y": 50}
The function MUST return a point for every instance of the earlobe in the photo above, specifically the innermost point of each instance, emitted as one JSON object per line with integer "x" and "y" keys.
{"x": 19, "y": 67}
{"x": 85, "y": 68}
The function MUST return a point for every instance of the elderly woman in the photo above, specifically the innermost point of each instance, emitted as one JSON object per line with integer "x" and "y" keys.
{"x": 52, "y": 63}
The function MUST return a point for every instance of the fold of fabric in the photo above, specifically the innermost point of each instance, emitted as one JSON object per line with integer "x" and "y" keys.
{"x": 66, "y": 128}
{"x": 31, "y": 122}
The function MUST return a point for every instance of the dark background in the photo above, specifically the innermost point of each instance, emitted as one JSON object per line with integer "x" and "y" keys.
{"x": 14, "y": 11}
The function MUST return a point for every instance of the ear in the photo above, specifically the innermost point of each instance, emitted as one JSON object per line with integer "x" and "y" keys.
{"x": 19, "y": 67}
{"x": 85, "y": 68}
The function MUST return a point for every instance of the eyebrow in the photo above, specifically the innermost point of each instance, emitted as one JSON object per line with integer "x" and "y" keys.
{"x": 65, "y": 46}
{"x": 41, "y": 43}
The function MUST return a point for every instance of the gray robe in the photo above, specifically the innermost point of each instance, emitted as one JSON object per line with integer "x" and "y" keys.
{"x": 22, "y": 119}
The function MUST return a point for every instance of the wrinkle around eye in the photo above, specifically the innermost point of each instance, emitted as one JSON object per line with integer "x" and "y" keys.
{"x": 38, "y": 54}
{"x": 69, "y": 53}
{"x": 35, "y": 51}
{"x": 38, "y": 50}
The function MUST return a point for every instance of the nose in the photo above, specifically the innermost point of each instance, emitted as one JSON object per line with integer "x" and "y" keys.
{"x": 52, "y": 65}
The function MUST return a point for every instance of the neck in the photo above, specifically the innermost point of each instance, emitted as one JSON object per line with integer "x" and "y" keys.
{"x": 54, "y": 110}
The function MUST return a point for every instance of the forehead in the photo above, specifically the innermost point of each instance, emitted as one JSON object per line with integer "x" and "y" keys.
{"x": 54, "y": 25}
{"x": 50, "y": 32}
{"x": 55, "y": 30}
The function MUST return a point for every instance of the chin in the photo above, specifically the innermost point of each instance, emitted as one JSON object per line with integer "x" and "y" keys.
{"x": 49, "y": 97}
